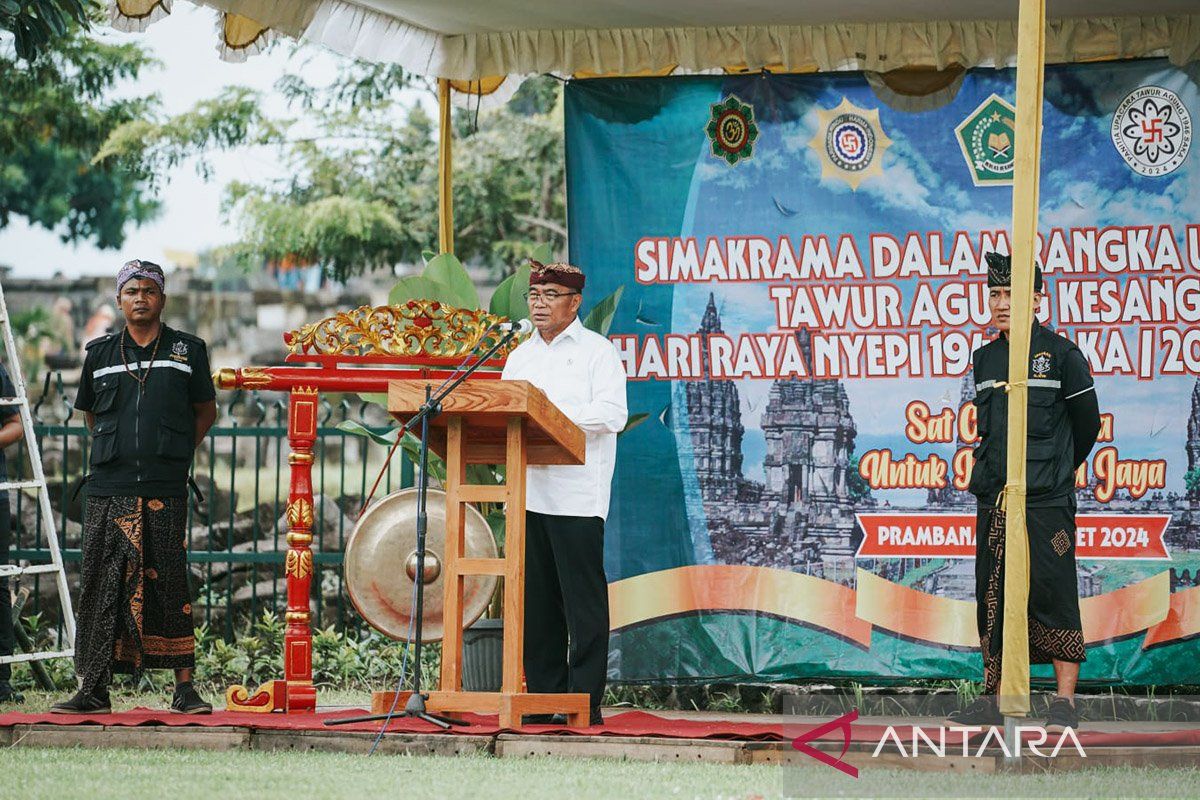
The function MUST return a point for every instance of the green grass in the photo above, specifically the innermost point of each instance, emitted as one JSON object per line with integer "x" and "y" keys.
{"x": 53, "y": 774}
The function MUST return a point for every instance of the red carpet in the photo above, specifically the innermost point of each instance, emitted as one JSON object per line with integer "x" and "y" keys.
{"x": 626, "y": 723}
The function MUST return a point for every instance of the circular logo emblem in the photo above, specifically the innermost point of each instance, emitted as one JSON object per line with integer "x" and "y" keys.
{"x": 850, "y": 142}
{"x": 1152, "y": 131}
{"x": 732, "y": 130}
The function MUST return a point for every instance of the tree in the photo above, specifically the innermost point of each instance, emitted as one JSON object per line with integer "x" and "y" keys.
{"x": 362, "y": 187}
{"x": 55, "y": 113}
{"x": 34, "y": 24}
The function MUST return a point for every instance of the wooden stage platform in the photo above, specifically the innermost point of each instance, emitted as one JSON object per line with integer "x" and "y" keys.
{"x": 1108, "y": 744}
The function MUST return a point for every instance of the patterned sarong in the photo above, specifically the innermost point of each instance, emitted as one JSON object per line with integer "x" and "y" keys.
{"x": 134, "y": 607}
{"x": 1055, "y": 632}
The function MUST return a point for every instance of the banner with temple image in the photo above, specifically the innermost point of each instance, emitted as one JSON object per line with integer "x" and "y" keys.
{"x": 803, "y": 284}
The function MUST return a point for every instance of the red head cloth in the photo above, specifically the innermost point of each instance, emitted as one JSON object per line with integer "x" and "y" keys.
{"x": 562, "y": 274}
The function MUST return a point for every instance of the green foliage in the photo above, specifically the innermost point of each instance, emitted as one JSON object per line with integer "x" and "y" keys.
{"x": 36, "y": 24}
{"x": 343, "y": 233}
{"x": 856, "y": 485}
{"x": 56, "y": 112}
{"x": 35, "y": 331}
{"x": 635, "y": 420}
{"x": 444, "y": 279}
{"x": 448, "y": 271}
{"x": 509, "y": 298}
{"x": 44, "y": 637}
{"x": 232, "y": 118}
{"x": 600, "y": 318}
{"x": 1191, "y": 479}
{"x": 340, "y": 659}
{"x": 361, "y": 192}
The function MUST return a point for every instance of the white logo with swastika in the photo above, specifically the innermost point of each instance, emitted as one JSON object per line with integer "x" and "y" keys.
{"x": 1152, "y": 130}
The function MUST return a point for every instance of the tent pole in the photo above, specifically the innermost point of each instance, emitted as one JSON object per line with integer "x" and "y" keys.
{"x": 1031, "y": 42}
{"x": 445, "y": 170}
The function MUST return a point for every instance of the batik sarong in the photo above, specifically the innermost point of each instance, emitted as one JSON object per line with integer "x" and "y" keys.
{"x": 1055, "y": 632}
{"x": 135, "y": 609}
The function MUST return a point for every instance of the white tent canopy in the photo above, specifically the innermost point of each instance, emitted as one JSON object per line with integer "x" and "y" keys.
{"x": 468, "y": 40}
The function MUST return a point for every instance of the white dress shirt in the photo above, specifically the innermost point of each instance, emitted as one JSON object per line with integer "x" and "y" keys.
{"x": 582, "y": 374}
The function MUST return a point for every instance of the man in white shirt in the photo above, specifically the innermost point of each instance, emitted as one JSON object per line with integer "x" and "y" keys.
{"x": 566, "y": 592}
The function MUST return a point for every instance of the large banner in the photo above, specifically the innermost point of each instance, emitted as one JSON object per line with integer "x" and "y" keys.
{"x": 803, "y": 284}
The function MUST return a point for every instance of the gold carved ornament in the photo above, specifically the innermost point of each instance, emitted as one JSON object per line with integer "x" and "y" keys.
{"x": 417, "y": 328}
{"x": 254, "y": 378}
{"x": 298, "y": 564}
{"x": 300, "y": 513}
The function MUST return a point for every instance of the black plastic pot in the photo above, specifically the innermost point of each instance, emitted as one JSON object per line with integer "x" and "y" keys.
{"x": 483, "y": 656}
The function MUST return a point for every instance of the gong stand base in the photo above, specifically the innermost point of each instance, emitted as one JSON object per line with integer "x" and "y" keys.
{"x": 510, "y": 707}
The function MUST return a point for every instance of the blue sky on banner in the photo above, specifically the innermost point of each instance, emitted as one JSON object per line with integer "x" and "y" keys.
{"x": 926, "y": 187}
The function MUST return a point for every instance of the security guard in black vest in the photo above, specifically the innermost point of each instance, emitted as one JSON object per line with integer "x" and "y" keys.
{"x": 149, "y": 401}
{"x": 1063, "y": 421}
{"x": 144, "y": 433}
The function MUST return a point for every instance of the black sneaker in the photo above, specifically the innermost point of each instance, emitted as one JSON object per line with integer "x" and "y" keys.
{"x": 84, "y": 703}
{"x": 8, "y": 694}
{"x": 188, "y": 701}
{"x": 981, "y": 712}
{"x": 1061, "y": 715}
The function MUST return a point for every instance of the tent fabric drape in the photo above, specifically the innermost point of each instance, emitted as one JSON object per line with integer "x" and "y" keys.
{"x": 241, "y": 37}
{"x": 134, "y": 16}
{"x": 238, "y": 36}
{"x": 359, "y": 31}
{"x": 362, "y": 30}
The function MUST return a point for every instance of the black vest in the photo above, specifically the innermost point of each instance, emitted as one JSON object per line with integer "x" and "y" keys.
{"x": 143, "y": 439}
{"x": 1049, "y": 471}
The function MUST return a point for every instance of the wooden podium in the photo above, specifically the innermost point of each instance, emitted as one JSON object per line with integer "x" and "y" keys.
{"x": 491, "y": 422}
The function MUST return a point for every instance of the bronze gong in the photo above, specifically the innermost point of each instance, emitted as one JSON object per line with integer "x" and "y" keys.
{"x": 381, "y": 565}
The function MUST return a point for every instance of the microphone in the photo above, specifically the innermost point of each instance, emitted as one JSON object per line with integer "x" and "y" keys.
{"x": 520, "y": 328}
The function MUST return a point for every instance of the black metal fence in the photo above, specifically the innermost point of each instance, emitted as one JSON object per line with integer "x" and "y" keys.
{"x": 237, "y": 539}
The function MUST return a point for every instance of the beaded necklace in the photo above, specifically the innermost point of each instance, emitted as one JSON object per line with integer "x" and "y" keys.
{"x": 140, "y": 376}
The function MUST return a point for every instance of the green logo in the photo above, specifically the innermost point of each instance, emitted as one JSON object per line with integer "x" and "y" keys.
{"x": 731, "y": 129}
{"x": 986, "y": 138}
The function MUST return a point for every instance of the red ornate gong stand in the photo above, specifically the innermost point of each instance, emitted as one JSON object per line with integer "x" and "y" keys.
{"x": 361, "y": 352}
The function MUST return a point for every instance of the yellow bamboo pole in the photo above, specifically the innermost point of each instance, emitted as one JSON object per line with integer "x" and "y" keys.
{"x": 1031, "y": 42}
{"x": 445, "y": 171}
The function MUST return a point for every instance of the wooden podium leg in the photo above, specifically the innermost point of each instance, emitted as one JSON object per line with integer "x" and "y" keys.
{"x": 452, "y": 587}
{"x": 514, "y": 558}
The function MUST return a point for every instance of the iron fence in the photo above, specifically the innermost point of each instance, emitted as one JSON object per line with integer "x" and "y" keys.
{"x": 237, "y": 539}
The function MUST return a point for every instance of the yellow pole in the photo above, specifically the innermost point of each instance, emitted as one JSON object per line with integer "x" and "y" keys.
{"x": 445, "y": 171}
{"x": 1031, "y": 38}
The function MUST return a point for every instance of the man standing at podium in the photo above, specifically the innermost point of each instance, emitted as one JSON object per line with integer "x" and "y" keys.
{"x": 566, "y": 592}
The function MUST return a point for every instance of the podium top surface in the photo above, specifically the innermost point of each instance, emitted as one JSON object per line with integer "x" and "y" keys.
{"x": 486, "y": 407}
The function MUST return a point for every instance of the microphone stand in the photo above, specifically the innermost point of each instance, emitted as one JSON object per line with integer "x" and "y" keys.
{"x": 415, "y": 707}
